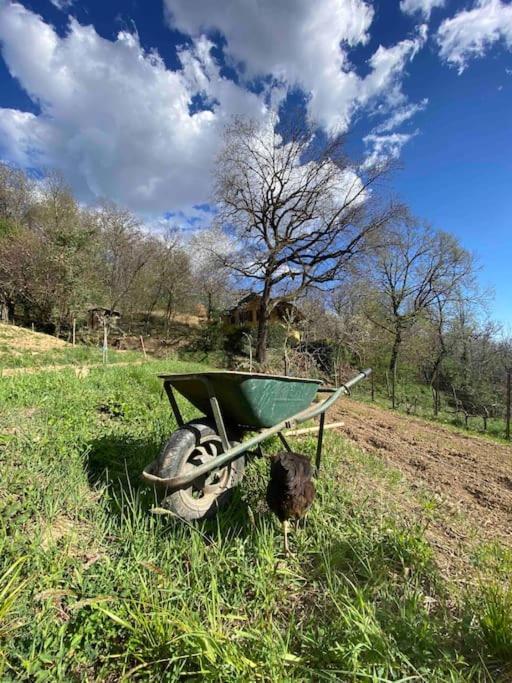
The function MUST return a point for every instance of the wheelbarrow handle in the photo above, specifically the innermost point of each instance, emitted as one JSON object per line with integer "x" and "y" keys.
{"x": 232, "y": 453}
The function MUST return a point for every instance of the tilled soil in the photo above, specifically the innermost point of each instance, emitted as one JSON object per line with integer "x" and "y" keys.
{"x": 470, "y": 477}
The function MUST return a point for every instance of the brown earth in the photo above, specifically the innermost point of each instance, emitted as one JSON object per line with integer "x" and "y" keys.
{"x": 22, "y": 339}
{"x": 469, "y": 478}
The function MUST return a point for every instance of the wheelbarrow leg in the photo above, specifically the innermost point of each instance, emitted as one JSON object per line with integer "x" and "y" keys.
{"x": 319, "y": 443}
{"x": 174, "y": 404}
{"x": 284, "y": 441}
{"x": 217, "y": 416}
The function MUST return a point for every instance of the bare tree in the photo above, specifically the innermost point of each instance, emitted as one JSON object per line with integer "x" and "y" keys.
{"x": 16, "y": 197}
{"x": 297, "y": 209}
{"x": 125, "y": 251}
{"x": 414, "y": 270}
{"x": 208, "y": 251}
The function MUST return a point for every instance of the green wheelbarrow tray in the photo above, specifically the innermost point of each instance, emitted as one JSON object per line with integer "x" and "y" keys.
{"x": 249, "y": 401}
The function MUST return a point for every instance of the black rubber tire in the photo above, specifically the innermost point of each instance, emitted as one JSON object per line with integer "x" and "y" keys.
{"x": 189, "y": 446}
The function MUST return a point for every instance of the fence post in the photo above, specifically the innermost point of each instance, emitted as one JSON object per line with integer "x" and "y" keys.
{"x": 105, "y": 342}
{"x": 74, "y": 331}
{"x": 143, "y": 347}
{"x": 509, "y": 392}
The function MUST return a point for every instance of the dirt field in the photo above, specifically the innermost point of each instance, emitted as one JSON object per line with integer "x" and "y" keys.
{"x": 468, "y": 477}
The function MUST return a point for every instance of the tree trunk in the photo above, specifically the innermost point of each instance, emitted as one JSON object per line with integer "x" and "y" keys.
{"x": 436, "y": 399}
{"x": 261, "y": 344}
{"x": 435, "y": 376}
{"x": 435, "y": 390}
{"x": 210, "y": 306}
{"x": 169, "y": 313}
{"x": 393, "y": 364}
{"x": 149, "y": 313}
{"x": 7, "y": 311}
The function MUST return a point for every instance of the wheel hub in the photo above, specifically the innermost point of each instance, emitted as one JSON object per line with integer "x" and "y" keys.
{"x": 213, "y": 483}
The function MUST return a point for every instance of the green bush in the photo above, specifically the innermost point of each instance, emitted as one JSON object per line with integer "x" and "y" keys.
{"x": 236, "y": 340}
{"x": 211, "y": 337}
{"x": 276, "y": 336}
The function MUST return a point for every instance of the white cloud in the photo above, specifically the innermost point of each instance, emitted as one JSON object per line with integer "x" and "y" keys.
{"x": 119, "y": 124}
{"x": 113, "y": 118}
{"x": 18, "y": 135}
{"x": 305, "y": 44}
{"x": 387, "y": 68}
{"x": 383, "y": 148}
{"x": 471, "y": 32}
{"x": 62, "y": 4}
{"x": 400, "y": 116}
{"x": 424, "y": 7}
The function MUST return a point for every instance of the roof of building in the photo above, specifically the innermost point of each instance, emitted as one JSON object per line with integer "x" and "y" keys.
{"x": 102, "y": 309}
{"x": 253, "y": 296}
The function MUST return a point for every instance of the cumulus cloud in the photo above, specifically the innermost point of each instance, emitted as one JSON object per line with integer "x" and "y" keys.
{"x": 471, "y": 32}
{"x": 113, "y": 118}
{"x": 303, "y": 44}
{"x": 118, "y": 123}
{"x": 423, "y": 7}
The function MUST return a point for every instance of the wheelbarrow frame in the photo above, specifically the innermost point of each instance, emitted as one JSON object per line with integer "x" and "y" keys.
{"x": 230, "y": 453}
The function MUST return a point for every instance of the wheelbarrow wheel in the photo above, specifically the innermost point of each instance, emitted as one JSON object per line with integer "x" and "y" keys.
{"x": 191, "y": 446}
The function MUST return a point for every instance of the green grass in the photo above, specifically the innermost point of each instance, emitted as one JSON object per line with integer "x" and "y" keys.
{"x": 80, "y": 355}
{"x": 95, "y": 588}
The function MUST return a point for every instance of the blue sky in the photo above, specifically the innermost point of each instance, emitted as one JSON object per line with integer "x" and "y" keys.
{"x": 129, "y": 99}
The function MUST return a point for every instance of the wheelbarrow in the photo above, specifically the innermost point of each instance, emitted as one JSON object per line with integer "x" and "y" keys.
{"x": 204, "y": 459}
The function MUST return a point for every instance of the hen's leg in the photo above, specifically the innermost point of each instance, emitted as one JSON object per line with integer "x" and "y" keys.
{"x": 285, "y": 531}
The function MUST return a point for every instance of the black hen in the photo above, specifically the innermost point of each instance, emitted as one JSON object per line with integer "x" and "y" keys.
{"x": 290, "y": 490}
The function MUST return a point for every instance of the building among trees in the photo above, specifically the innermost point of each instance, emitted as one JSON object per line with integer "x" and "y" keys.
{"x": 247, "y": 311}
{"x": 96, "y": 317}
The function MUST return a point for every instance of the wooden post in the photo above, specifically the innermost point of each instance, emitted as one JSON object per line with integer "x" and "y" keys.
{"x": 509, "y": 396}
{"x": 143, "y": 347}
{"x": 74, "y": 331}
{"x": 249, "y": 341}
{"x": 310, "y": 430}
{"x": 105, "y": 340}
{"x": 372, "y": 384}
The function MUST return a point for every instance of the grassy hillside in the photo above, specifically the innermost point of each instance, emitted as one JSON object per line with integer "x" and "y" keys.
{"x": 22, "y": 348}
{"x": 94, "y": 588}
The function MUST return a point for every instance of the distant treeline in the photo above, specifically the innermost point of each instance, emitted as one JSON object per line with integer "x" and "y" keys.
{"x": 58, "y": 259}
{"x": 393, "y": 293}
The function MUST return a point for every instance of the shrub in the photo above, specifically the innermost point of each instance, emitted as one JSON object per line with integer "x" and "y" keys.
{"x": 235, "y": 339}
{"x": 276, "y": 336}
{"x": 211, "y": 337}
